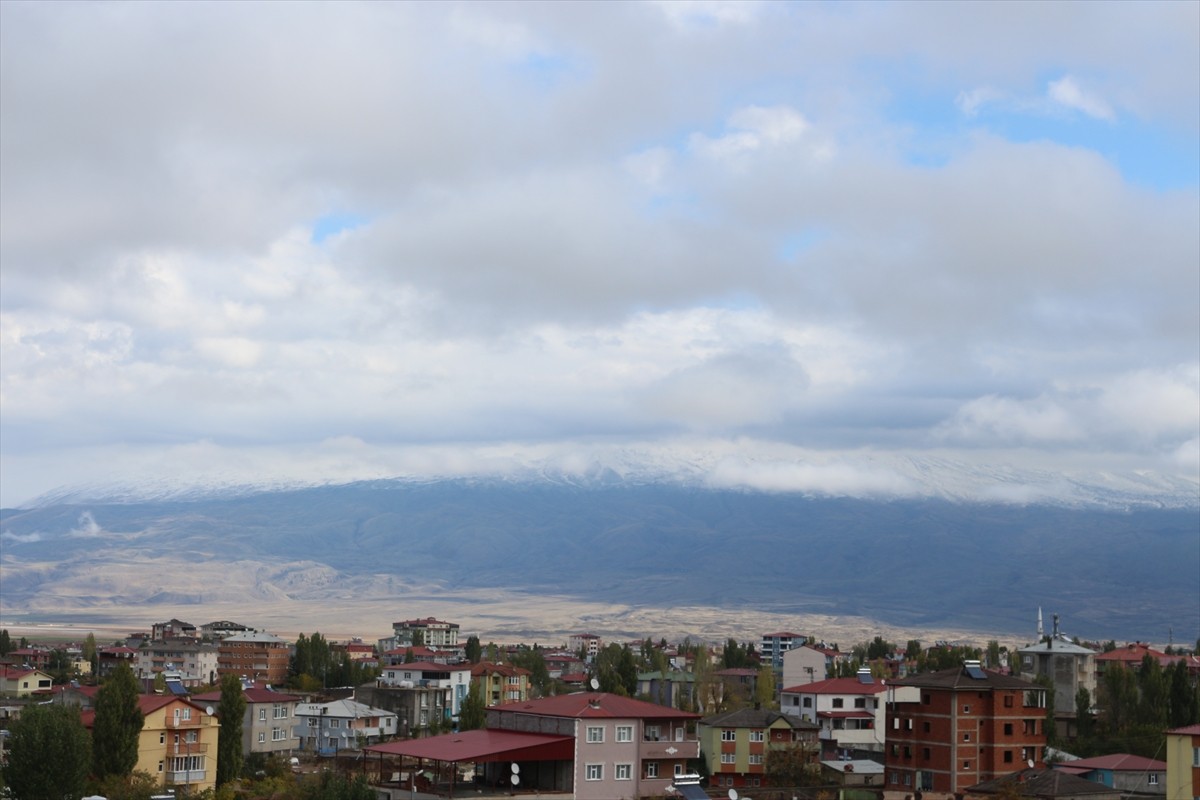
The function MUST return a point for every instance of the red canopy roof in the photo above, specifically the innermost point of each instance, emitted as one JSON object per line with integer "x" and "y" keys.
{"x": 482, "y": 745}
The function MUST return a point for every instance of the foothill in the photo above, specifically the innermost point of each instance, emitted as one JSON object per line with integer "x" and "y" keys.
{"x": 224, "y": 710}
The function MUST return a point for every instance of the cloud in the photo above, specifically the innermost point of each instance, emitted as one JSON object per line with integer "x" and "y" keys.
{"x": 86, "y": 526}
{"x": 1067, "y": 92}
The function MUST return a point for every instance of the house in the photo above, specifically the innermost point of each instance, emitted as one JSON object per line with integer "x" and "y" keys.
{"x": 417, "y": 708}
{"x": 267, "y": 724}
{"x": 172, "y": 629}
{"x": 852, "y": 773}
{"x": 1183, "y": 763}
{"x": 22, "y": 682}
{"x": 74, "y": 694}
{"x": 850, "y": 712}
{"x": 1130, "y": 656}
{"x": 501, "y": 683}
{"x": 219, "y": 629}
{"x": 109, "y": 658}
{"x": 1128, "y": 773}
{"x": 454, "y": 680}
{"x": 255, "y": 655}
{"x": 738, "y": 685}
{"x": 966, "y": 725}
{"x": 429, "y": 632}
{"x": 734, "y": 745}
{"x": 29, "y": 657}
{"x": 178, "y": 742}
{"x": 559, "y": 664}
{"x": 340, "y": 725}
{"x": 673, "y": 688}
{"x": 623, "y": 747}
{"x": 1069, "y": 666}
{"x": 1039, "y": 783}
{"x": 808, "y": 664}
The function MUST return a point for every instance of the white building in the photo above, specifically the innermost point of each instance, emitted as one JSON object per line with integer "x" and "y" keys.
{"x": 431, "y": 632}
{"x": 850, "y": 712}
{"x": 453, "y": 679}
{"x": 330, "y": 728}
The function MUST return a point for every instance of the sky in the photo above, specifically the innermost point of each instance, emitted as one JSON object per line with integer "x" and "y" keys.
{"x": 789, "y": 245}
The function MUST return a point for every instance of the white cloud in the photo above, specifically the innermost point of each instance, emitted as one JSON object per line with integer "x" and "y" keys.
{"x": 1067, "y": 92}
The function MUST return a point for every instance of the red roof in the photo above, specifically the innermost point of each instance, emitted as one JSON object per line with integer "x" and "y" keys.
{"x": 482, "y": 745}
{"x": 1119, "y": 762}
{"x": 595, "y": 705}
{"x": 488, "y": 668}
{"x": 257, "y": 693}
{"x": 429, "y": 666}
{"x": 838, "y": 686}
{"x": 1187, "y": 730}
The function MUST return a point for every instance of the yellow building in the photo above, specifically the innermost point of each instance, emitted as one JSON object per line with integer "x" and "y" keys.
{"x": 1183, "y": 763}
{"x": 178, "y": 743}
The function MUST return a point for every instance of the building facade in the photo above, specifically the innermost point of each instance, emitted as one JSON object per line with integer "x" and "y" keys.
{"x": 1183, "y": 763}
{"x": 452, "y": 680}
{"x": 965, "y": 726}
{"x": 254, "y": 655}
{"x": 735, "y": 745}
{"x": 268, "y": 724}
{"x": 342, "y": 725}
{"x": 429, "y": 631}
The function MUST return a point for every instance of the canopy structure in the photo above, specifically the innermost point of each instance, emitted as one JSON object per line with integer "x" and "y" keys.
{"x": 479, "y": 746}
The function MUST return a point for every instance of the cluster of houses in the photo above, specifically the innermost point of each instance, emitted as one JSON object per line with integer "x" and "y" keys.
{"x": 969, "y": 730}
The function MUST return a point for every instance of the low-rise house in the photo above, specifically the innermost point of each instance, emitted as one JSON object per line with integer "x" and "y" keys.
{"x": 268, "y": 724}
{"x": 1039, "y": 783}
{"x": 808, "y": 663}
{"x": 330, "y": 728}
{"x": 852, "y": 773}
{"x": 172, "y": 629}
{"x": 30, "y": 657}
{"x": 674, "y": 688}
{"x": 178, "y": 742}
{"x": 428, "y": 631}
{"x": 559, "y": 664}
{"x": 22, "y": 682}
{"x": 734, "y": 745}
{"x": 219, "y": 629}
{"x": 501, "y": 683}
{"x": 1128, "y": 773}
{"x": 1183, "y": 762}
{"x": 851, "y": 712}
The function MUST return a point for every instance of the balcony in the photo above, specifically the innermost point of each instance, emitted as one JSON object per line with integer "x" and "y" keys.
{"x": 178, "y": 723}
{"x": 668, "y": 748}
{"x": 186, "y": 776}
{"x": 186, "y": 748}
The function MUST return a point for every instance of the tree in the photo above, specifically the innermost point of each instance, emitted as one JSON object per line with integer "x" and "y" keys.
{"x": 473, "y": 714}
{"x": 5, "y": 642}
{"x": 473, "y": 650}
{"x": 230, "y": 710}
{"x": 335, "y": 786}
{"x": 118, "y": 722}
{"x": 49, "y": 754}
{"x": 1083, "y": 713}
{"x": 1184, "y": 696}
{"x": 91, "y": 652}
{"x": 764, "y": 688}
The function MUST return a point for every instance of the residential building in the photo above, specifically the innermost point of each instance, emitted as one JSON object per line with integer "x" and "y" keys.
{"x": 172, "y": 629}
{"x": 268, "y": 723}
{"x": 453, "y": 680}
{"x": 808, "y": 664}
{"x": 222, "y": 628}
{"x": 1128, "y": 773}
{"x": 29, "y": 657}
{"x": 674, "y": 688}
{"x": 1069, "y": 666}
{"x": 178, "y": 742}
{"x": 1038, "y": 783}
{"x": 738, "y": 685}
{"x": 623, "y": 747}
{"x": 559, "y": 664}
{"x": 850, "y": 712}
{"x": 194, "y": 662}
{"x": 330, "y": 728}
{"x": 734, "y": 745}
{"x": 774, "y": 645}
{"x": 417, "y": 708}
{"x": 22, "y": 682}
{"x": 852, "y": 773}
{"x": 501, "y": 683}
{"x": 255, "y": 655}
{"x": 1130, "y": 656}
{"x": 109, "y": 658}
{"x": 966, "y": 726}
{"x": 429, "y": 632}
{"x": 1183, "y": 763}
{"x": 588, "y": 645}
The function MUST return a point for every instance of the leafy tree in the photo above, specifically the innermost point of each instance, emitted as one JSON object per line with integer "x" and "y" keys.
{"x": 993, "y": 654}
{"x": 1051, "y": 727}
{"x": 474, "y": 651}
{"x": 1152, "y": 693}
{"x": 6, "y": 645}
{"x": 1120, "y": 692}
{"x": 473, "y": 714}
{"x": 118, "y": 722}
{"x": 49, "y": 754}
{"x": 230, "y": 710}
{"x": 139, "y": 785}
{"x": 764, "y": 688}
{"x": 791, "y": 766}
{"x": 335, "y": 786}
{"x": 616, "y": 670}
{"x": 1084, "y": 723}
{"x": 1184, "y": 696}
{"x": 91, "y": 652}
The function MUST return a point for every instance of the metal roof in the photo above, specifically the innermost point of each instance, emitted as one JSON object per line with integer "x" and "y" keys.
{"x": 482, "y": 745}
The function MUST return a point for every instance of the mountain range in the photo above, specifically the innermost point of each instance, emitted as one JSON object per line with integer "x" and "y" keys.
{"x": 1113, "y": 570}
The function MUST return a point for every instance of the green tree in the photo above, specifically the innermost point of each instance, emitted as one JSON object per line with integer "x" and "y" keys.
{"x": 6, "y": 645}
{"x": 140, "y": 785}
{"x": 335, "y": 786}
{"x": 49, "y": 754}
{"x": 473, "y": 650}
{"x": 1152, "y": 694}
{"x": 91, "y": 653}
{"x": 764, "y": 688}
{"x": 473, "y": 714}
{"x": 1184, "y": 696}
{"x": 791, "y": 766}
{"x": 1084, "y": 724}
{"x": 118, "y": 722}
{"x": 230, "y": 710}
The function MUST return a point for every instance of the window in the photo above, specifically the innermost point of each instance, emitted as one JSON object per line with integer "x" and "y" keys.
{"x": 278, "y": 735}
{"x": 756, "y": 736}
{"x": 595, "y": 772}
{"x": 756, "y": 758}
{"x": 187, "y": 713}
{"x": 595, "y": 734}
{"x": 651, "y": 769}
{"x": 925, "y": 753}
{"x": 279, "y": 711}
{"x": 1008, "y": 729}
{"x": 807, "y": 702}
{"x": 966, "y": 709}
{"x": 623, "y": 772}
{"x": 728, "y": 735}
{"x": 925, "y": 700}
{"x": 925, "y": 727}
{"x": 160, "y": 766}
{"x": 262, "y": 737}
{"x": 1008, "y": 701}
{"x": 262, "y": 714}
{"x": 624, "y": 733}
{"x": 679, "y": 769}
{"x": 838, "y": 702}
{"x": 1196, "y": 756}
{"x": 335, "y": 723}
{"x": 727, "y": 758}
{"x": 966, "y": 765}
{"x": 966, "y": 737}
{"x": 1152, "y": 779}
{"x": 860, "y": 702}
{"x": 162, "y": 738}
{"x": 1008, "y": 756}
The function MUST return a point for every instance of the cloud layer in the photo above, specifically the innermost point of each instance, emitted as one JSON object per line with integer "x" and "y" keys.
{"x": 492, "y": 229}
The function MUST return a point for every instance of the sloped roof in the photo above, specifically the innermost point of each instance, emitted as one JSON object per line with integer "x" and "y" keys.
{"x": 754, "y": 718}
{"x": 595, "y": 705}
{"x": 1187, "y": 730}
{"x": 838, "y": 686}
{"x": 482, "y": 745}
{"x": 253, "y": 694}
{"x": 1119, "y": 762}
{"x": 1044, "y": 783}
{"x": 431, "y": 666}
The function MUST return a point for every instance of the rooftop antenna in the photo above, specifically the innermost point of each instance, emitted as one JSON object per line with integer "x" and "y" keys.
{"x": 1040, "y": 632}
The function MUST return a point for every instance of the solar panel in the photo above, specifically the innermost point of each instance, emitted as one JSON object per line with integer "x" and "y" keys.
{"x": 974, "y": 671}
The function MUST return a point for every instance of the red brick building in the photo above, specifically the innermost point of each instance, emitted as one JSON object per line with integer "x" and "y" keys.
{"x": 966, "y": 726}
{"x": 254, "y": 655}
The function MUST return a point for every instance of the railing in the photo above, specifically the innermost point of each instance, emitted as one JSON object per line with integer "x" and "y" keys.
{"x": 186, "y": 776}
{"x": 174, "y": 722}
{"x": 186, "y": 748}
{"x": 668, "y": 748}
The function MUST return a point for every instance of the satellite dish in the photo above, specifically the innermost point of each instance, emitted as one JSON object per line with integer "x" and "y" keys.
{"x": 515, "y": 768}
{"x": 209, "y": 710}
{"x": 733, "y": 794}
{"x": 515, "y": 779}
{"x": 670, "y": 788}
{"x": 595, "y": 685}
{"x": 1030, "y": 762}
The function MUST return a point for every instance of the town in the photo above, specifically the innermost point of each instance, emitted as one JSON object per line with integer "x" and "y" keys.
{"x": 224, "y": 710}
